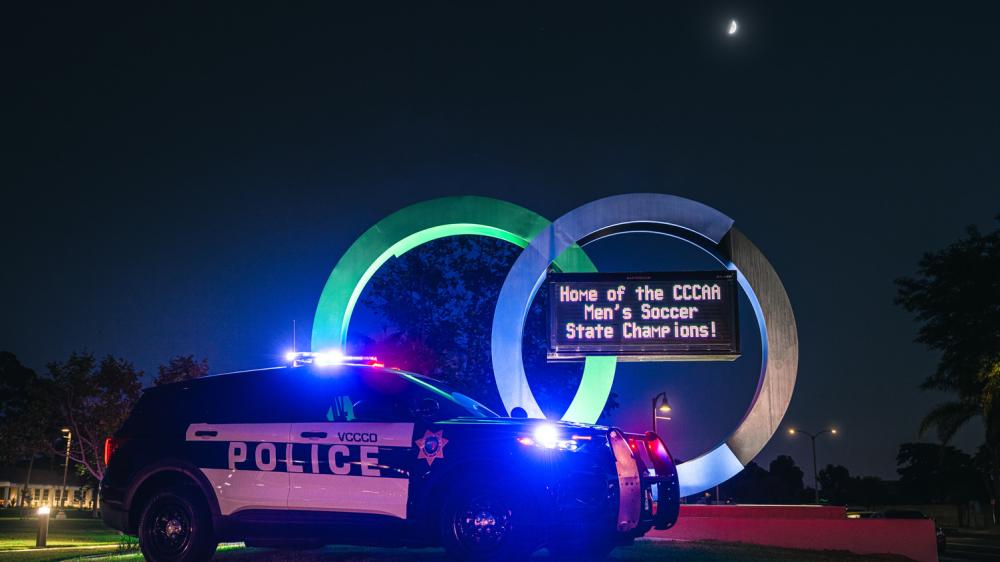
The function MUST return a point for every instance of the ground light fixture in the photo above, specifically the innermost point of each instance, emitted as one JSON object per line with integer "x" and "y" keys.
{"x": 43, "y": 526}
{"x": 812, "y": 437}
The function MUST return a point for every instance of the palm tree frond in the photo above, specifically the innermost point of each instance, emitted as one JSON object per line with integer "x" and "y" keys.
{"x": 948, "y": 418}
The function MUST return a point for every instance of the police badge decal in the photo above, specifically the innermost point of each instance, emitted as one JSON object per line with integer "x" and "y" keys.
{"x": 431, "y": 446}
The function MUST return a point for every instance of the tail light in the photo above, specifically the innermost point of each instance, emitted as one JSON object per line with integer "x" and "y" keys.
{"x": 110, "y": 446}
{"x": 658, "y": 453}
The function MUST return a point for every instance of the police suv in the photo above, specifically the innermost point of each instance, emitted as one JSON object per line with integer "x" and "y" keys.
{"x": 345, "y": 451}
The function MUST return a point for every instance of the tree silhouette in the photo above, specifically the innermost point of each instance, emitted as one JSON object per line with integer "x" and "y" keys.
{"x": 840, "y": 488}
{"x": 955, "y": 296}
{"x": 181, "y": 368}
{"x": 933, "y": 473}
{"x": 787, "y": 480}
{"x": 25, "y": 428}
{"x": 92, "y": 398}
{"x": 437, "y": 303}
{"x": 836, "y": 483}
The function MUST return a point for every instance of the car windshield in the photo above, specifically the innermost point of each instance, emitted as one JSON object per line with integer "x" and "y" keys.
{"x": 456, "y": 404}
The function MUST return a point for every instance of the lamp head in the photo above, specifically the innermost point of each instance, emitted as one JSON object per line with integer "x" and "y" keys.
{"x": 664, "y": 402}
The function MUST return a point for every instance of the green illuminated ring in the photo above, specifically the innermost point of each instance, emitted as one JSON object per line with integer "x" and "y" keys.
{"x": 420, "y": 223}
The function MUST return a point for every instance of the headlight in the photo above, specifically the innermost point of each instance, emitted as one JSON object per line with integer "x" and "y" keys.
{"x": 548, "y": 436}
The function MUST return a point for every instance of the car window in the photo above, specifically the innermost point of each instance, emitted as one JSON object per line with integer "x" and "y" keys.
{"x": 257, "y": 397}
{"x": 454, "y": 404}
{"x": 356, "y": 401}
{"x": 341, "y": 407}
{"x": 365, "y": 394}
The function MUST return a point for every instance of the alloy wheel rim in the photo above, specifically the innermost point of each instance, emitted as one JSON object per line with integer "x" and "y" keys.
{"x": 171, "y": 529}
{"x": 482, "y": 524}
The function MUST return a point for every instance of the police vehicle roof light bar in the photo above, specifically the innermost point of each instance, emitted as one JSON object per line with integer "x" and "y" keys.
{"x": 325, "y": 358}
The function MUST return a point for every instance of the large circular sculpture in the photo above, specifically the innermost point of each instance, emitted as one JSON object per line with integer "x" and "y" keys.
{"x": 420, "y": 223}
{"x": 558, "y": 244}
{"x": 711, "y": 231}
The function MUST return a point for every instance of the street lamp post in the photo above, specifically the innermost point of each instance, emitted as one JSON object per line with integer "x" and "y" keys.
{"x": 69, "y": 441}
{"x": 660, "y": 407}
{"x": 812, "y": 437}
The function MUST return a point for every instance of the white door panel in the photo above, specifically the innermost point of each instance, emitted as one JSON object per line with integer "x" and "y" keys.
{"x": 270, "y": 432}
{"x": 328, "y": 483}
{"x": 353, "y": 433}
{"x": 252, "y": 479}
{"x": 320, "y": 478}
{"x": 349, "y": 494}
{"x": 248, "y": 489}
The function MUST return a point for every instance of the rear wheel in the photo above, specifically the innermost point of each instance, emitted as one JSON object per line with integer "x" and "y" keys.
{"x": 175, "y": 526}
{"x": 486, "y": 522}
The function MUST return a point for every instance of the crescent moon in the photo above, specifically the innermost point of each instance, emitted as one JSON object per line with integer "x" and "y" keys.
{"x": 733, "y": 27}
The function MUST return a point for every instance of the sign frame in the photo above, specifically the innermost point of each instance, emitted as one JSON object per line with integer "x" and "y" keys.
{"x": 650, "y": 352}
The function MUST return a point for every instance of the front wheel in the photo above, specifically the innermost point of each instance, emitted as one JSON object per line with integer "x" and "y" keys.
{"x": 175, "y": 526}
{"x": 486, "y": 522}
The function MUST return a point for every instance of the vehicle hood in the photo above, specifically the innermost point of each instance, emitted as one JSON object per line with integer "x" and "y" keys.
{"x": 526, "y": 425}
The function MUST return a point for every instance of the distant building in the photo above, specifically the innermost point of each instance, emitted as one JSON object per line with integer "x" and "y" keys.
{"x": 45, "y": 488}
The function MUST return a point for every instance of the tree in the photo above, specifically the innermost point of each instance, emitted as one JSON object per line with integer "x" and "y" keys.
{"x": 437, "y": 302}
{"x": 751, "y": 485}
{"x": 933, "y": 473}
{"x": 24, "y": 428}
{"x": 92, "y": 398}
{"x": 955, "y": 295}
{"x": 870, "y": 491}
{"x": 836, "y": 483}
{"x": 181, "y": 368}
{"x": 840, "y": 488}
{"x": 18, "y": 440}
{"x": 786, "y": 480}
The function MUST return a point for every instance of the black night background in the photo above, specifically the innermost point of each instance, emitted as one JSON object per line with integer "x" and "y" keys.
{"x": 181, "y": 180}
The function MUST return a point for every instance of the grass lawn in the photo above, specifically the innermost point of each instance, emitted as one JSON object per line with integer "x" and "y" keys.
{"x": 56, "y": 555}
{"x": 643, "y": 550}
{"x": 16, "y": 533}
{"x": 79, "y": 534}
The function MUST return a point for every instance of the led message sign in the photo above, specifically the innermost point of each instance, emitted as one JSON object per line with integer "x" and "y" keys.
{"x": 687, "y": 316}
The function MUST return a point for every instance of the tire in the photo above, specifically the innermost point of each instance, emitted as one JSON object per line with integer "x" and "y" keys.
{"x": 176, "y": 526}
{"x": 487, "y": 522}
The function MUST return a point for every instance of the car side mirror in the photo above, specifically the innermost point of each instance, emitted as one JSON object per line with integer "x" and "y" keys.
{"x": 519, "y": 412}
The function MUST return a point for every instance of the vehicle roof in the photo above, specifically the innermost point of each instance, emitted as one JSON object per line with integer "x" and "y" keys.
{"x": 283, "y": 368}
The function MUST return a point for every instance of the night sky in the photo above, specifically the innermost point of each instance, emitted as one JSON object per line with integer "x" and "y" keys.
{"x": 181, "y": 182}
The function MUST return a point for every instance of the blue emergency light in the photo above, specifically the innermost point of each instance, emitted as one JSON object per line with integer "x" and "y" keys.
{"x": 327, "y": 358}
